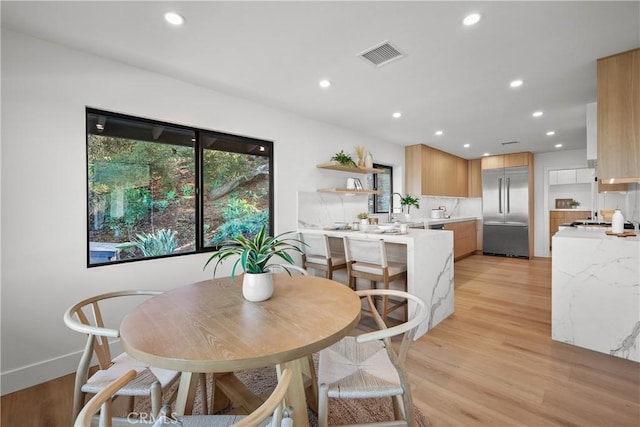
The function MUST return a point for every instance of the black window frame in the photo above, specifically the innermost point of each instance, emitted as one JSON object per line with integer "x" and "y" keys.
{"x": 199, "y": 148}
{"x": 374, "y": 199}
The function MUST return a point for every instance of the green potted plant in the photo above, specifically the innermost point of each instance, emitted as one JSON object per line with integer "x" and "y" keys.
{"x": 254, "y": 256}
{"x": 408, "y": 201}
{"x": 364, "y": 218}
{"x": 344, "y": 159}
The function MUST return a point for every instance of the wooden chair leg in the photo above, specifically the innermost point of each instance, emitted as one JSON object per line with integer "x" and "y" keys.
{"x": 385, "y": 303}
{"x": 323, "y": 406}
{"x": 156, "y": 398}
{"x": 203, "y": 393}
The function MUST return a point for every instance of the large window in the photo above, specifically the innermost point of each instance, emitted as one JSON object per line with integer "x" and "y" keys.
{"x": 158, "y": 189}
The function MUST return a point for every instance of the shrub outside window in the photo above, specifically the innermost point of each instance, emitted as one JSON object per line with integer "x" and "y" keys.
{"x": 157, "y": 189}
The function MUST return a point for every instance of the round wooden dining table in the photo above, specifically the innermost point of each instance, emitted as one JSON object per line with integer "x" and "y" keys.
{"x": 209, "y": 327}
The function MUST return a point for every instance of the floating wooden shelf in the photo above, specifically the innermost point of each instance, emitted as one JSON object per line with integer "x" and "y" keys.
{"x": 342, "y": 168}
{"x": 348, "y": 191}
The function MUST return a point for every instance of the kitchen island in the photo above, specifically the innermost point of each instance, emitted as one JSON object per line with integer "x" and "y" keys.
{"x": 429, "y": 258}
{"x": 595, "y": 295}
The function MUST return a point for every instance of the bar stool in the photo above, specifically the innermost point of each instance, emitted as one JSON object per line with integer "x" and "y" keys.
{"x": 316, "y": 254}
{"x": 367, "y": 259}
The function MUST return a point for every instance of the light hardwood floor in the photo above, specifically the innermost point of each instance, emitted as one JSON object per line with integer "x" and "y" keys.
{"x": 491, "y": 363}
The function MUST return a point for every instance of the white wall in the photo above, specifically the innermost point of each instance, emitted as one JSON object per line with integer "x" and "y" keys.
{"x": 45, "y": 89}
{"x": 543, "y": 163}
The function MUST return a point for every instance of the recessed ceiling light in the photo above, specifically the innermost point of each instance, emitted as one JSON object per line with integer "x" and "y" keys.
{"x": 516, "y": 83}
{"x": 439, "y": 132}
{"x": 537, "y": 114}
{"x": 467, "y": 145}
{"x": 471, "y": 19}
{"x": 174, "y": 18}
{"x": 485, "y": 154}
{"x": 397, "y": 115}
{"x": 558, "y": 145}
{"x": 551, "y": 133}
{"x": 324, "y": 84}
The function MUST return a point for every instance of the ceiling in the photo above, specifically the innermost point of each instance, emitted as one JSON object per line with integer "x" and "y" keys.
{"x": 452, "y": 78}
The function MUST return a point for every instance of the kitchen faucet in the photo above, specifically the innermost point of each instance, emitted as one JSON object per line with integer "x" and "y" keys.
{"x": 391, "y": 217}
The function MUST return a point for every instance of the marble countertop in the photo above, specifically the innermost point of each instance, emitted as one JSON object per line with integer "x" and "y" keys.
{"x": 410, "y": 235}
{"x": 448, "y": 220}
{"x": 579, "y": 233}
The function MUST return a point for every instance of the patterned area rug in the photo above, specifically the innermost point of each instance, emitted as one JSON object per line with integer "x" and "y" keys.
{"x": 341, "y": 411}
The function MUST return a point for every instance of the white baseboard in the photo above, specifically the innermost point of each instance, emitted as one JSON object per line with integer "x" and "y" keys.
{"x": 39, "y": 373}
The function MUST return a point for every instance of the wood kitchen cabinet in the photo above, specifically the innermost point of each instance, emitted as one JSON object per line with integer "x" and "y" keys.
{"x": 464, "y": 238}
{"x": 603, "y": 187}
{"x": 474, "y": 181}
{"x": 507, "y": 160}
{"x": 557, "y": 218}
{"x": 431, "y": 172}
{"x": 618, "y": 117}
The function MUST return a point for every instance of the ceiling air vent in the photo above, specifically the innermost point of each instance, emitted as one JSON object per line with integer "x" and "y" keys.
{"x": 509, "y": 142}
{"x": 381, "y": 54}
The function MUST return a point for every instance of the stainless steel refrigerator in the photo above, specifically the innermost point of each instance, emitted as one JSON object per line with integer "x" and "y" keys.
{"x": 505, "y": 211}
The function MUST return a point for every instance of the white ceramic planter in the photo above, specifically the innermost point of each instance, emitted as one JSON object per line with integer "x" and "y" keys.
{"x": 257, "y": 287}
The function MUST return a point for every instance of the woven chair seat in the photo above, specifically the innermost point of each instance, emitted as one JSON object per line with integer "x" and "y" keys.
{"x": 358, "y": 370}
{"x": 207, "y": 421}
{"x": 140, "y": 386}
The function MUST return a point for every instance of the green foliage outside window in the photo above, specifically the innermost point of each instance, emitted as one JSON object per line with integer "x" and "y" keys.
{"x": 142, "y": 185}
{"x": 240, "y": 218}
{"x": 162, "y": 242}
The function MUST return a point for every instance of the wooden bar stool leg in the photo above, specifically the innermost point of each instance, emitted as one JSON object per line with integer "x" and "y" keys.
{"x": 385, "y": 302}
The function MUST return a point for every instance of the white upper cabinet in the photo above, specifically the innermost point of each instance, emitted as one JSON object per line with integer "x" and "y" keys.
{"x": 572, "y": 176}
{"x": 585, "y": 175}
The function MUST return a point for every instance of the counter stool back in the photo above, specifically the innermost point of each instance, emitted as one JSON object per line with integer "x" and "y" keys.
{"x": 367, "y": 259}
{"x": 316, "y": 254}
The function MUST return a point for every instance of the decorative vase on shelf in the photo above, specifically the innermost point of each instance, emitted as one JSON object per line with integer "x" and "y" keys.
{"x": 257, "y": 287}
{"x": 368, "y": 160}
{"x": 617, "y": 222}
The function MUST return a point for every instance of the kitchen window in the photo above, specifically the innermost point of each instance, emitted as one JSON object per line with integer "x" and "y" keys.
{"x": 157, "y": 189}
{"x": 379, "y": 203}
